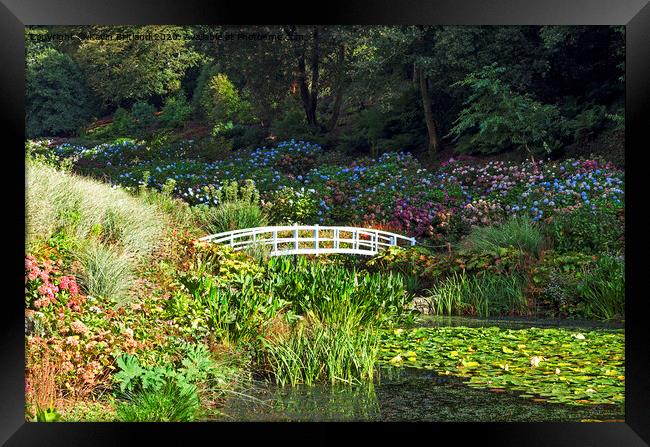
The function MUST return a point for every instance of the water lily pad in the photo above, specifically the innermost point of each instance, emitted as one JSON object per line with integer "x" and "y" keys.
{"x": 486, "y": 358}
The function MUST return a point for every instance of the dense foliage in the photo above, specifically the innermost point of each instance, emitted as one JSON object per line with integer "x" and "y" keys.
{"x": 532, "y": 89}
{"x": 57, "y": 99}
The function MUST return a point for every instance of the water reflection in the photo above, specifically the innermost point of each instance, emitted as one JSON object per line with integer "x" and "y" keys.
{"x": 306, "y": 403}
{"x": 404, "y": 394}
{"x": 515, "y": 322}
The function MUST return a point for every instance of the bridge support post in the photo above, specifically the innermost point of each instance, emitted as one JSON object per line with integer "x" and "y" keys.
{"x": 295, "y": 237}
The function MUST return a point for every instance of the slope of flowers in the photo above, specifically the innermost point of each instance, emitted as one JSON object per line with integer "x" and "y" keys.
{"x": 393, "y": 191}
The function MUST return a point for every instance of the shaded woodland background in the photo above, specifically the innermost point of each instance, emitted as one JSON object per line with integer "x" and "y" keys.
{"x": 434, "y": 91}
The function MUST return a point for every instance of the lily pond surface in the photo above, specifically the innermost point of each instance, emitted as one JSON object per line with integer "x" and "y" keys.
{"x": 449, "y": 369}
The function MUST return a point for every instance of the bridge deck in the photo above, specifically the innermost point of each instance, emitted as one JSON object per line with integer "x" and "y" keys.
{"x": 312, "y": 239}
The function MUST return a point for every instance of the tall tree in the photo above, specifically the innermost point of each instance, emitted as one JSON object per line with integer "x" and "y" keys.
{"x": 125, "y": 70}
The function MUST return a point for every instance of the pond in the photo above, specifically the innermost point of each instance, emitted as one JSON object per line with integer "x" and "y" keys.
{"x": 419, "y": 394}
{"x": 516, "y": 322}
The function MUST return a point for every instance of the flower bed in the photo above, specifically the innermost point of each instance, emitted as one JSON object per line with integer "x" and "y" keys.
{"x": 391, "y": 190}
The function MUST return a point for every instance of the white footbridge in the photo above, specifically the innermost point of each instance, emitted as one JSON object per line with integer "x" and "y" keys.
{"x": 311, "y": 240}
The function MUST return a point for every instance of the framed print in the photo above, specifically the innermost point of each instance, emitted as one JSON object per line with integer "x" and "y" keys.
{"x": 379, "y": 217}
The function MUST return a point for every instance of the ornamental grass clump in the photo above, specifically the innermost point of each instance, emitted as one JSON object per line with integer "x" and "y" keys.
{"x": 106, "y": 272}
{"x": 517, "y": 232}
{"x": 87, "y": 209}
{"x": 105, "y": 230}
{"x": 231, "y": 216}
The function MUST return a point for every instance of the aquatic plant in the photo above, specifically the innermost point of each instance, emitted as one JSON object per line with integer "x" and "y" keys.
{"x": 314, "y": 353}
{"x": 337, "y": 296}
{"x": 169, "y": 403}
{"x": 554, "y": 365}
{"x": 483, "y": 294}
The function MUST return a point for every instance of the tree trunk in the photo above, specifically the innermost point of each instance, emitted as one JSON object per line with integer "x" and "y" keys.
{"x": 415, "y": 75}
{"x": 338, "y": 100}
{"x": 309, "y": 94}
{"x": 434, "y": 142}
{"x": 304, "y": 89}
{"x": 315, "y": 60}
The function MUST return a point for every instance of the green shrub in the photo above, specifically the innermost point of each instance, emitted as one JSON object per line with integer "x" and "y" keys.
{"x": 196, "y": 368}
{"x": 252, "y": 137}
{"x": 205, "y": 74}
{"x": 602, "y": 289}
{"x": 516, "y": 232}
{"x": 176, "y": 111}
{"x": 221, "y": 261}
{"x": 587, "y": 122}
{"x": 235, "y": 312}
{"x": 396, "y": 125}
{"x": 291, "y": 123}
{"x": 589, "y": 231}
{"x": 38, "y": 152}
{"x": 137, "y": 123}
{"x": 415, "y": 262}
{"x": 316, "y": 353}
{"x": 57, "y": 100}
{"x": 560, "y": 292}
{"x": 581, "y": 285}
{"x": 219, "y": 100}
{"x": 143, "y": 118}
{"x": 212, "y": 148}
{"x": 122, "y": 122}
{"x": 289, "y": 206}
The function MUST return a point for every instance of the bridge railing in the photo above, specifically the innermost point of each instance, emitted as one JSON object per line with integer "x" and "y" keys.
{"x": 312, "y": 239}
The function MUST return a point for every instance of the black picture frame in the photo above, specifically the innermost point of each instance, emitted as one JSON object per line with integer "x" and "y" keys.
{"x": 634, "y": 14}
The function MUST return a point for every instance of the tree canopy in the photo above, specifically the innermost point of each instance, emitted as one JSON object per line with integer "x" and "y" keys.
{"x": 369, "y": 88}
